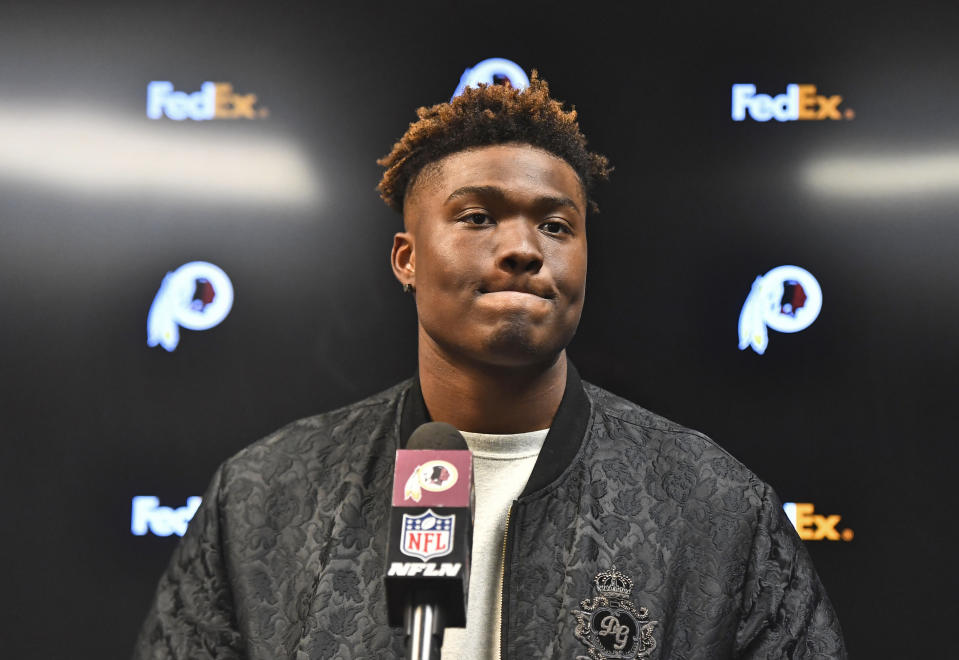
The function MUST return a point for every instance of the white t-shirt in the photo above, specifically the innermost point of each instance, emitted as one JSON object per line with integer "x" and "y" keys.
{"x": 501, "y": 467}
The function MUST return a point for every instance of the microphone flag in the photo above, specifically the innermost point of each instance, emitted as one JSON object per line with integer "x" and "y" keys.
{"x": 430, "y": 531}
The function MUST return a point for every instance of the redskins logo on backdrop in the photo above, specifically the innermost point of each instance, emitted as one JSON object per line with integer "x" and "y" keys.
{"x": 786, "y": 299}
{"x": 493, "y": 71}
{"x": 434, "y": 476}
{"x": 197, "y": 296}
{"x": 610, "y": 625}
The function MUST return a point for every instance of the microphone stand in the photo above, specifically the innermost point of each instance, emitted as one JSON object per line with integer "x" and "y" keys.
{"x": 424, "y": 628}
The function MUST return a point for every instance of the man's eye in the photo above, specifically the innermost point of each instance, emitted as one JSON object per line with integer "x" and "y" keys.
{"x": 555, "y": 227}
{"x": 477, "y": 219}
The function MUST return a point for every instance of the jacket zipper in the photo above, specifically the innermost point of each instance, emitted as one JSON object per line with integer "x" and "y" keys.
{"x": 502, "y": 588}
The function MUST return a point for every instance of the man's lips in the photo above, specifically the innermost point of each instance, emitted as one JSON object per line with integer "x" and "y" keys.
{"x": 539, "y": 292}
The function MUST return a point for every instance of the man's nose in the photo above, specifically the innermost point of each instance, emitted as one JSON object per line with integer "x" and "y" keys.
{"x": 518, "y": 248}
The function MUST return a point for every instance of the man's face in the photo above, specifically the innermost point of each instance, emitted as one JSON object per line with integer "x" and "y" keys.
{"x": 496, "y": 249}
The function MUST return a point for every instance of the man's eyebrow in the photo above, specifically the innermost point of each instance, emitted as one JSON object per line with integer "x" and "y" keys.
{"x": 499, "y": 194}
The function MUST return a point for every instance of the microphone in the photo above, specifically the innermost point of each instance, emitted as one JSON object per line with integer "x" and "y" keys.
{"x": 431, "y": 534}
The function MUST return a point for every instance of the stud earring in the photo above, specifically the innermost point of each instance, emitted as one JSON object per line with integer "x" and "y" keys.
{"x": 409, "y": 288}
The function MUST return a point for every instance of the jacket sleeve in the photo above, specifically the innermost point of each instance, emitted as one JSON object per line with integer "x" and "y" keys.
{"x": 192, "y": 613}
{"x": 785, "y": 610}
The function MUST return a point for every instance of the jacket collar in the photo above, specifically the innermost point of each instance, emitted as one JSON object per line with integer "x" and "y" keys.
{"x": 562, "y": 442}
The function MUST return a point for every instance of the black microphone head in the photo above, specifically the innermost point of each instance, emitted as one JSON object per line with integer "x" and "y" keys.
{"x": 436, "y": 435}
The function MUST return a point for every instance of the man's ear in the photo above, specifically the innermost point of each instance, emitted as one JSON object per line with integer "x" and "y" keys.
{"x": 403, "y": 259}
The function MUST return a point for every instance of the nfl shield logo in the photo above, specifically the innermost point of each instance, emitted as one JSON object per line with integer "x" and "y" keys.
{"x": 427, "y": 535}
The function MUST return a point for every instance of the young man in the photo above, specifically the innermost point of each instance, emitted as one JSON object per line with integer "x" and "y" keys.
{"x": 602, "y": 530}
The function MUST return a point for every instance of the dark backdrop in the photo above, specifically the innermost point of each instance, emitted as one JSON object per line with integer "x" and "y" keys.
{"x": 854, "y": 414}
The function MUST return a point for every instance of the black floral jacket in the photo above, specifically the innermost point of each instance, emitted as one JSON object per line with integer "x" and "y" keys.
{"x": 634, "y": 538}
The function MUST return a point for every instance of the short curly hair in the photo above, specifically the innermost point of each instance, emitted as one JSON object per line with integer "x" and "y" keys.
{"x": 488, "y": 115}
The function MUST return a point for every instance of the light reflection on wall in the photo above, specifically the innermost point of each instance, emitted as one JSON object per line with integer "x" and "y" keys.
{"x": 98, "y": 153}
{"x": 884, "y": 176}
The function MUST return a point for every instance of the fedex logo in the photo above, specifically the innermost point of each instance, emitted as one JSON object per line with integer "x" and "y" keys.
{"x": 161, "y": 520}
{"x": 799, "y": 102}
{"x": 814, "y": 527}
{"x": 215, "y": 100}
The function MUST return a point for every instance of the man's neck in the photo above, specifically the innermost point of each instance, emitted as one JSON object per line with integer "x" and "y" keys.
{"x": 490, "y": 399}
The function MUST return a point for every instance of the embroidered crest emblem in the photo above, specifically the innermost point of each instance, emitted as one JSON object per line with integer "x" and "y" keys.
{"x": 610, "y": 625}
{"x": 427, "y": 535}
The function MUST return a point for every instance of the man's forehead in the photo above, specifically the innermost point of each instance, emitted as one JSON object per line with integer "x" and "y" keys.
{"x": 506, "y": 166}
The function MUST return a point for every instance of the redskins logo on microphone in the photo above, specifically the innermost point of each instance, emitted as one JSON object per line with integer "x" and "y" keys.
{"x": 434, "y": 476}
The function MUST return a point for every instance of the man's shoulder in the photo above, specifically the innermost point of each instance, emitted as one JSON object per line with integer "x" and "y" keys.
{"x": 662, "y": 444}
{"x": 344, "y": 429}
{"x": 615, "y": 406}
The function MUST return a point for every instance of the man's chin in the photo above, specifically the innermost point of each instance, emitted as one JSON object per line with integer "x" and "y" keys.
{"x": 515, "y": 342}
{"x": 517, "y": 345}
